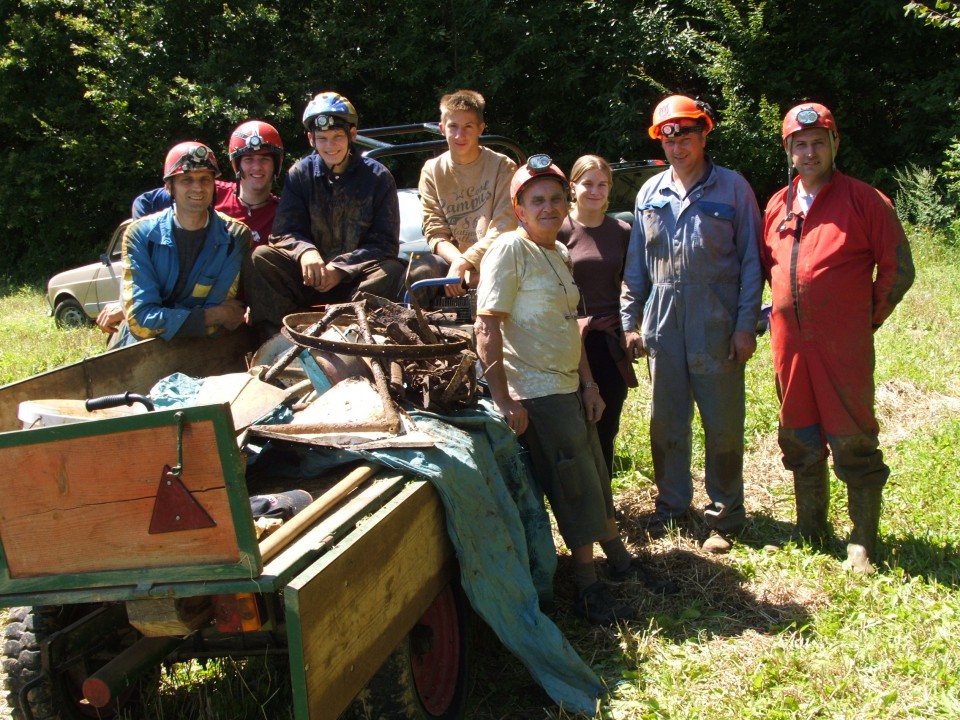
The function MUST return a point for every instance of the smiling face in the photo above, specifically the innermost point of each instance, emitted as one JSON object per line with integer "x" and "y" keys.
{"x": 811, "y": 155}
{"x": 333, "y": 146}
{"x": 462, "y": 130}
{"x": 685, "y": 153}
{"x": 193, "y": 191}
{"x": 256, "y": 172}
{"x": 592, "y": 191}
{"x": 541, "y": 208}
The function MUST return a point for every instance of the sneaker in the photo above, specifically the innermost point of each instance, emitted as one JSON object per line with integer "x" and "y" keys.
{"x": 597, "y": 605}
{"x": 718, "y": 543}
{"x": 638, "y": 571}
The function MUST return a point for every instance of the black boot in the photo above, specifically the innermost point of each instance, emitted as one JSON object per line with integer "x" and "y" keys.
{"x": 812, "y": 491}
{"x": 865, "y": 513}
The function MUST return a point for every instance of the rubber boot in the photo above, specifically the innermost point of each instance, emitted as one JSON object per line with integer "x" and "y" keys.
{"x": 865, "y": 514}
{"x": 812, "y": 491}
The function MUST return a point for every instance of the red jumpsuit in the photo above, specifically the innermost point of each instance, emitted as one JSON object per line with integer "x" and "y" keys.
{"x": 826, "y": 306}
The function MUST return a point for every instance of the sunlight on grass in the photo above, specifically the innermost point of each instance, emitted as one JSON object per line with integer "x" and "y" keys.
{"x": 774, "y": 630}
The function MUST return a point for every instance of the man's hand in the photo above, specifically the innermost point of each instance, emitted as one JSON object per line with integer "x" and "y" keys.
{"x": 633, "y": 344}
{"x": 458, "y": 269}
{"x": 110, "y": 317}
{"x": 229, "y": 314}
{"x": 593, "y": 404}
{"x": 742, "y": 346}
{"x": 514, "y": 413}
{"x": 318, "y": 274}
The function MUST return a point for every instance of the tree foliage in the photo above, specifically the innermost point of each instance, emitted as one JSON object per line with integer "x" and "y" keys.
{"x": 95, "y": 91}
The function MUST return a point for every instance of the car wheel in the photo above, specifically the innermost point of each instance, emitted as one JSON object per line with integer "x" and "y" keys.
{"x": 69, "y": 314}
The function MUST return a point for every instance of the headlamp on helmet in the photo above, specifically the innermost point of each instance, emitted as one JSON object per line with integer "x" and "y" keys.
{"x": 676, "y": 130}
{"x": 256, "y": 137}
{"x": 537, "y": 166}
{"x": 190, "y": 157}
{"x": 330, "y": 122}
{"x": 335, "y": 107}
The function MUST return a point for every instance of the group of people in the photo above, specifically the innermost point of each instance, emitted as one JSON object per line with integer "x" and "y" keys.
{"x": 568, "y": 300}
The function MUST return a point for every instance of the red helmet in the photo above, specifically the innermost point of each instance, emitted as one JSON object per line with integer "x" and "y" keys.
{"x": 256, "y": 137}
{"x": 806, "y": 116}
{"x": 676, "y": 107}
{"x": 187, "y": 157}
{"x": 536, "y": 167}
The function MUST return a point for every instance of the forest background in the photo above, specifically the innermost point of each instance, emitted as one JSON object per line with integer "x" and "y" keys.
{"x": 93, "y": 92}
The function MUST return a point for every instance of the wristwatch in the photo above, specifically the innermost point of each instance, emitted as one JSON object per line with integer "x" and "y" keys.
{"x": 588, "y": 385}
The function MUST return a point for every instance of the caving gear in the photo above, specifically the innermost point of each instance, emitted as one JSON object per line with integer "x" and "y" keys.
{"x": 256, "y": 137}
{"x": 536, "y": 167}
{"x": 187, "y": 157}
{"x": 805, "y": 117}
{"x": 676, "y": 107}
{"x": 329, "y": 111}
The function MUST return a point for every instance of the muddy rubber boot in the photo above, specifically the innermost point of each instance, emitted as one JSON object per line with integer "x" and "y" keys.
{"x": 811, "y": 488}
{"x": 865, "y": 514}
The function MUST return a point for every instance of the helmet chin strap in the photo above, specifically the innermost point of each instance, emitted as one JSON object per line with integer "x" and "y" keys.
{"x": 789, "y": 215}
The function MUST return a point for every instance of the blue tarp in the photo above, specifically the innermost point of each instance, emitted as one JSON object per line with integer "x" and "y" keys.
{"x": 502, "y": 537}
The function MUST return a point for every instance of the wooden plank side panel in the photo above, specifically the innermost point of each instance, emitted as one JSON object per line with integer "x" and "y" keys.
{"x": 135, "y": 368}
{"x": 84, "y": 504}
{"x": 353, "y": 607}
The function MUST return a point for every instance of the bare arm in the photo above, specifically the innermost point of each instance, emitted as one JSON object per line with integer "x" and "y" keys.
{"x": 490, "y": 349}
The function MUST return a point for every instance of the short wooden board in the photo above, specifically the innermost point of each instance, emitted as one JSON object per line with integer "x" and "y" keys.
{"x": 76, "y": 503}
{"x": 348, "y": 611}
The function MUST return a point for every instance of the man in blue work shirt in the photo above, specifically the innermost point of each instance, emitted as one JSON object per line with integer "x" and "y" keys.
{"x": 181, "y": 266}
{"x": 690, "y": 303}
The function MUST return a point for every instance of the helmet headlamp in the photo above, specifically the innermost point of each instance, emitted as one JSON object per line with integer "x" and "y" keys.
{"x": 807, "y": 116}
{"x": 539, "y": 163}
{"x": 672, "y": 130}
{"x": 197, "y": 158}
{"x": 329, "y": 122}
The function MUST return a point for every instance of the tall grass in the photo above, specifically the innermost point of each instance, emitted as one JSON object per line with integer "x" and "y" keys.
{"x": 773, "y": 630}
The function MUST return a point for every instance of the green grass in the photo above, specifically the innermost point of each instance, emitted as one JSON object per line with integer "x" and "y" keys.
{"x": 762, "y": 633}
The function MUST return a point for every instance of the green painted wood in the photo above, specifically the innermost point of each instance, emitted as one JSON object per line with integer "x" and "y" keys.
{"x": 232, "y": 467}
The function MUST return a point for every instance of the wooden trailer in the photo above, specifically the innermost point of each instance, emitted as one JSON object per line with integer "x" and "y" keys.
{"x": 128, "y": 541}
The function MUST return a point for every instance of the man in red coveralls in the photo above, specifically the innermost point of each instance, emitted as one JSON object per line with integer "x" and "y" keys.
{"x": 824, "y": 235}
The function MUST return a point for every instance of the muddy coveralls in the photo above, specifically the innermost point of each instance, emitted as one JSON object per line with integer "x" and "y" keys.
{"x": 826, "y": 307}
{"x": 692, "y": 278}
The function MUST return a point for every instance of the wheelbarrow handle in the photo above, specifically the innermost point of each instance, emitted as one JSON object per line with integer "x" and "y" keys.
{"x": 112, "y": 401}
{"x": 429, "y": 282}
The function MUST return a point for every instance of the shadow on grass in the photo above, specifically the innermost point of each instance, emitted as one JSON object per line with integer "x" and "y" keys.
{"x": 923, "y": 557}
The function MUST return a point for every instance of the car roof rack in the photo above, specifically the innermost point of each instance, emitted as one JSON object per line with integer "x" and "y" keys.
{"x": 377, "y": 147}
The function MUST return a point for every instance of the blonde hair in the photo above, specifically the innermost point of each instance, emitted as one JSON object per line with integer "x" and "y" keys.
{"x": 467, "y": 100}
{"x": 583, "y": 165}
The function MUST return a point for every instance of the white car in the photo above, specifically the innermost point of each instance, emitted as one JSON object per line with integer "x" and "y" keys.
{"x": 76, "y": 296}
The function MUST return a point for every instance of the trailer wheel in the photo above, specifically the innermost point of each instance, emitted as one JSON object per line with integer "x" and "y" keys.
{"x": 58, "y": 697}
{"x": 428, "y": 676}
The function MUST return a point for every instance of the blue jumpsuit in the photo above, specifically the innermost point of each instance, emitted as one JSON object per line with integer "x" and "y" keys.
{"x": 693, "y": 278}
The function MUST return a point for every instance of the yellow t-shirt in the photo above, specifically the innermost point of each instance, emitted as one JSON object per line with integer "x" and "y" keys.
{"x": 534, "y": 288}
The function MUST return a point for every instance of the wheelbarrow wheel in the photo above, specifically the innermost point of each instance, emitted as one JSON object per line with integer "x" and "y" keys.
{"x": 30, "y": 692}
{"x": 428, "y": 676}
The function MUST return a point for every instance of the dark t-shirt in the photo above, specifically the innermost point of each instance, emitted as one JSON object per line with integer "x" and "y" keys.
{"x": 598, "y": 255}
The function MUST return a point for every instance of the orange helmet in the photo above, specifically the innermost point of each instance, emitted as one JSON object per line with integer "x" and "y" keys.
{"x": 806, "y": 116}
{"x": 187, "y": 157}
{"x": 676, "y": 107}
{"x": 536, "y": 167}
{"x": 256, "y": 137}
